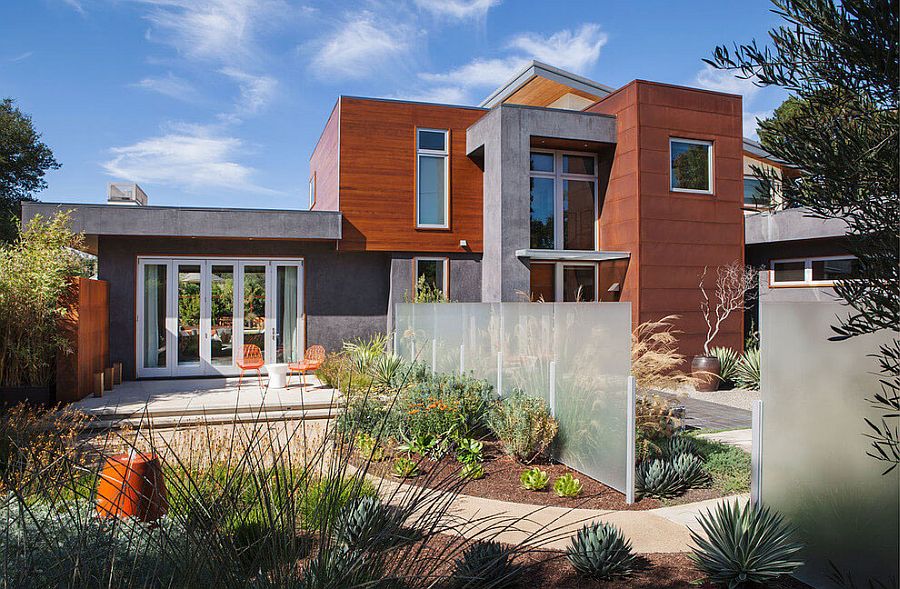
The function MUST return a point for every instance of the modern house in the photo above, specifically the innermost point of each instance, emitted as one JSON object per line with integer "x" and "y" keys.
{"x": 555, "y": 188}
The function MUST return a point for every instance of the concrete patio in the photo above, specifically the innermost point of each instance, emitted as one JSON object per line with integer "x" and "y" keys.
{"x": 175, "y": 402}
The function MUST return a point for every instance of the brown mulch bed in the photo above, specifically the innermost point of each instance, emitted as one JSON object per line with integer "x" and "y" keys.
{"x": 501, "y": 482}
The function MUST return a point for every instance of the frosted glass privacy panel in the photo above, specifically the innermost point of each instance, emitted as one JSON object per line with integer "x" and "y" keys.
{"x": 592, "y": 361}
{"x": 815, "y": 469}
{"x": 526, "y": 345}
{"x": 414, "y": 332}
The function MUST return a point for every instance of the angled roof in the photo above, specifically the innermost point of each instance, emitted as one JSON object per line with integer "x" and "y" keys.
{"x": 755, "y": 149}
{"x": 537, "y": 72}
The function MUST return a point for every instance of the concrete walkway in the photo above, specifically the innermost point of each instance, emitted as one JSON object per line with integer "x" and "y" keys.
{"x": 657, "y": 530}
{"x": 742, "y": 438}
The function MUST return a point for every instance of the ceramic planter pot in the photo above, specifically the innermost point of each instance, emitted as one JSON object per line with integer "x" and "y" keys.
{"x": 706, "y": 369}
{"x": 132, "y": 485}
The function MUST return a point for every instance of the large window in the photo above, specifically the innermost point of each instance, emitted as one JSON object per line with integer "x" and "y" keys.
{"x": 813, "y": 271}
{"x": 432, "y": 178}
{"x": 563, "y": 193}
{"x": 755, "y": 194}
{"x": 563, "y": 282}
{"x": 691, "y": 168}
{"x": 435, "y": 272}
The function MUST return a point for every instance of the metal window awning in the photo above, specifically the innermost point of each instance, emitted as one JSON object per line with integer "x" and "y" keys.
{"x": 571, "y": 255}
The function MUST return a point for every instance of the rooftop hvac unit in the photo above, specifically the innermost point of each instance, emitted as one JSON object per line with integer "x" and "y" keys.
{"x": 126, "y": 193}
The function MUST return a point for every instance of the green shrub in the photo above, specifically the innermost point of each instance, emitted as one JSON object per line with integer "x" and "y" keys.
{"x": 323, "y": 499}
{"x": 426, "y": 446}
{"x": 747, "y": 373}
{"x": 657, "y": 478}
{"x": 534, "y": 479}
{"x": 369, "y": 448}
{"x": 729, "y": 468}
{"x": 728, "y": 360}
{"x": 405, "y": 468}
{"x": 524, "y": 425}
{"x": 469, "y": 450}
{"x": 446, "y": 405}
{"x": 744, "y": 545}
{"x": 363, "y": 414}
{"x": 472, "y": 471}
{"x": 601, "y": 551}
{"x": 567, "y": 486}
{"x": 486, "y": 565}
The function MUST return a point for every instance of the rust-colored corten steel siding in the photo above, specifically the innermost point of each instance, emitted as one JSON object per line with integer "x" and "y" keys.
{"x": 378, "y": 177}
{"x": 677, "y": 233}
{"x": 324, "y": 164}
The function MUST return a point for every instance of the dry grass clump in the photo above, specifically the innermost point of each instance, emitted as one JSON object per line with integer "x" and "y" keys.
{"x": 655, "y": 360}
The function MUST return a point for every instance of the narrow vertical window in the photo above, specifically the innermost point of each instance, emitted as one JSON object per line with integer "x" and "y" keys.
{"x": 312, "y": 191}
{"x": 432, "y": 178}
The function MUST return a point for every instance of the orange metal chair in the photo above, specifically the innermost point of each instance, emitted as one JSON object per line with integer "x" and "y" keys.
{"x": 251, "y": 359}
{"x": 312, "y": 360}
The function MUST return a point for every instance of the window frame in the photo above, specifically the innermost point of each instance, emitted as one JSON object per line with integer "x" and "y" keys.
{"x": 559, "y": 275}
{"x": 756, "y": 207}
{"x": 312, "y": 191}
{"x": 559, "y": 177}
{"x": 445, "y": 153}
{"x": 445, "y": 264}
{"x": 710, "y": 161}
{"x": 807, "y": 271}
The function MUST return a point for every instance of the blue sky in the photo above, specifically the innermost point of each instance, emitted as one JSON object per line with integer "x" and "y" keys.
{"x": 220, "y": 102}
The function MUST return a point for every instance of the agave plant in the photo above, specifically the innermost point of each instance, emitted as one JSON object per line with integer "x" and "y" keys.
{"x": 728, "y": 360}
{"x": 486, "y": 564}
{"x": 534, "y": 479}
{"x": 472, "y": 471}
{"x": 567, "y": 486}
{"x": 365, "y": 523}
{"x": 602, "y": 552}
{"x": 690, "y": 470}
{"x": 658, "y": 479}
{"x": 748, "y": 370}
{"x": 743, "y": 545}
{"x": 678, "y": 445}
{"x": 385, "y": 369}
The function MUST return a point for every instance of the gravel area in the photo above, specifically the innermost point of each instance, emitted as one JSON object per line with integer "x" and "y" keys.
{"x": 739, "y": 398}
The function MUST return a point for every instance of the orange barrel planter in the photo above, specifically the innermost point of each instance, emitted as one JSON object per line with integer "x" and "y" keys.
{"x": 132, "y": 485}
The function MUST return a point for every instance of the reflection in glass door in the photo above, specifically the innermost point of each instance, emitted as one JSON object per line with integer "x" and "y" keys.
{"x": 221, "y": 330}
{"x": 288, "y": 329}
{"x": 189, "y": 304}
{"x": 254, "y": 305}
{"x": 152, "y": 338}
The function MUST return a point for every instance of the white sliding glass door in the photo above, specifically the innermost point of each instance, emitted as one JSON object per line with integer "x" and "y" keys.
{"x": 194, "y": 315}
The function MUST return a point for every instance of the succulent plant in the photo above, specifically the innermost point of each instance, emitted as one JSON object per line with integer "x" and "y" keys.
{"x": 364, "y": 523}
{"x": 472, "y": 471}
{"x": 469, "y": 450}
{"x": 535, "y": 479}
{"x": 368, "y": 447}
{"x": 602, "y": 552}
{"x": 567, "y": 486}
{"x": 748, "y": 373}
{"x": 405, "y": 468}
{"x": 743, "y": 545}
{"x": 658, "y": 478}
{"x": 339, "y": 566}
{"x": 690, "y": 470}
{"x": 485, "y": 564}
{"x": 678, "y": 445}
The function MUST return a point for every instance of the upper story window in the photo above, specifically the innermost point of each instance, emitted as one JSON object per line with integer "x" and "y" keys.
{"x": 813, "y": 271}
{"x": 432, "y": 178}
{"x": 691, "y": 166}
{"x": 563, "y": 189}
{"x": 755, "y": 194}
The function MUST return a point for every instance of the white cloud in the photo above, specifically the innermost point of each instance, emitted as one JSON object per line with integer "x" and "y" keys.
{"x": 256, "y": 91}
{"x": 20, "y": 57}
{"x": 725, "y": 81}
{"x": 75, "y": 5}
{"x": 169, "y": 85}
{"x": 479, "y": 73}
{"x": 439, "y": 95}
{"x": 458, "y": 9}
{"x": 576, "y": 51}
{"x": 360, "y": 45}
{"x": 190, "y": 157}
{"x": 750, "y": 122}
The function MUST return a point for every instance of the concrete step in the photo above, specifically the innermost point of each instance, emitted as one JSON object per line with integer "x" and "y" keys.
{"x": 208, "y": 410}
{"x": 184, "y": 419}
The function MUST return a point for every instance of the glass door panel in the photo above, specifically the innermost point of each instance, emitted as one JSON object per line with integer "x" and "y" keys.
{"x": 188, "y": 303}
{"x": 578, "y": 215}
{"x": 287, "y": 313}
{"x": 153, "y": 331}
{"x": 221, "y": 331}
{"x": 253, "y": 302}
{"x": 579, "y": 284}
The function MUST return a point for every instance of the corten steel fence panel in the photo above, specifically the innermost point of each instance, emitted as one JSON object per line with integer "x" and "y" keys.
{"x": 575, "y": 356}
{"x": 814, "y": 467}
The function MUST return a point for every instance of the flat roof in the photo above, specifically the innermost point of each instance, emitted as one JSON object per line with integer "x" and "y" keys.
{"x": 159, "y": 221}
{"x": 537, "y": 68}
{"x": 571, "y": 255}
{"x": 790, "y": 225}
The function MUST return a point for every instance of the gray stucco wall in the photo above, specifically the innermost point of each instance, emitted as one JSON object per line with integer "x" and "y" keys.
{"x": 346, "y": 292}
{"x": 501, "y": 141}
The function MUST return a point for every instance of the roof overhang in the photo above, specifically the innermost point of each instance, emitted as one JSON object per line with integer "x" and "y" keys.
{"x": 539, "y": 70}
{"x": 790, "y": 225}
{"x": 570, "y": 255}
{"x": 94, "y": 220}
